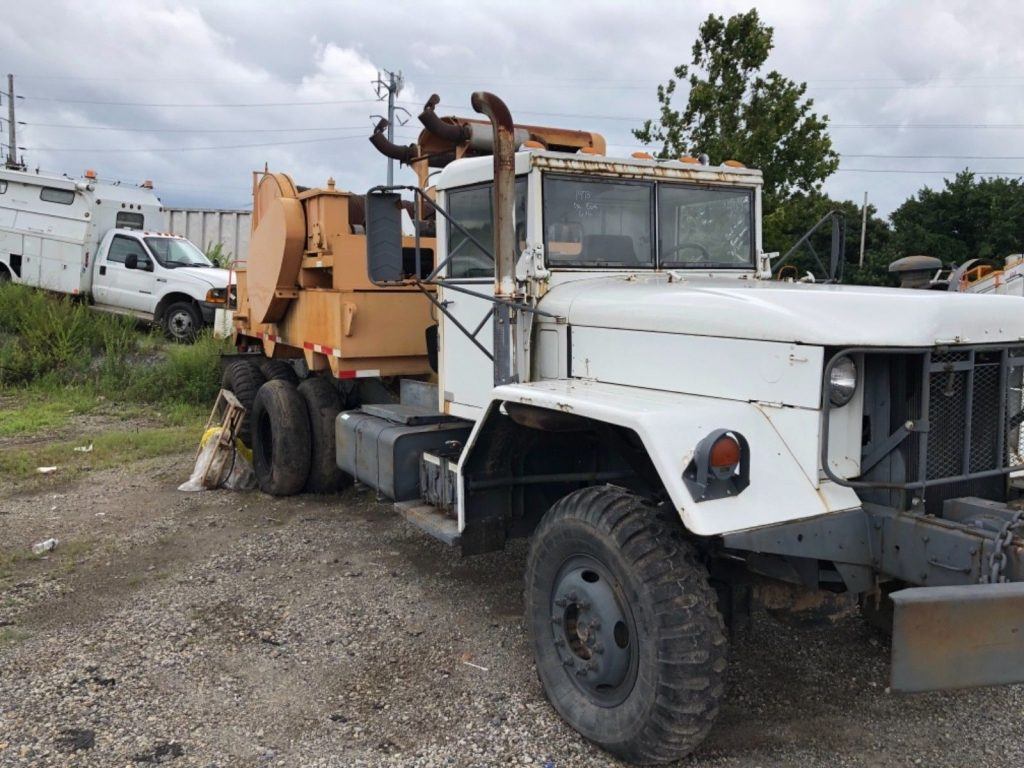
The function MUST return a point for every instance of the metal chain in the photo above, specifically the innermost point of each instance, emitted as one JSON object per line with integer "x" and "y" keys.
{"x": 997, "y": 560}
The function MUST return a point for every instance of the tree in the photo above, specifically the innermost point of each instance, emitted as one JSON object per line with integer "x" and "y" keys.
{"x": 787, "y": 224}
{"x": 970, "y": 218}
{"x": 734, "y": 111}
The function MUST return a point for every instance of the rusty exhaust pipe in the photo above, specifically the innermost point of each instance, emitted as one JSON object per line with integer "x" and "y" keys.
{"x": 504, "y": 232}
{"x": 454, "y": 133}
{"x": 388, "y": 149}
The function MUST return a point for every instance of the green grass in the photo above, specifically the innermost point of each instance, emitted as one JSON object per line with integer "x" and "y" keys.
{"x": 48, "y": 343}
{"x": 37, "y": 409}
{"x": 110, "y": 449}
{"x": 11, "y": 636}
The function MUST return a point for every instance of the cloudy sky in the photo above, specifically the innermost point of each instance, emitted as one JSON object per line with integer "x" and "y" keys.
{"x": 195, "y": 95}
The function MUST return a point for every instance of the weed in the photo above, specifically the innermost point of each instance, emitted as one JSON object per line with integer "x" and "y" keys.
{"x": 11, "y": 636}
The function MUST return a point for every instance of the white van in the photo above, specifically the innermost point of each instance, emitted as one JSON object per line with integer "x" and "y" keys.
{"x": 105, "y": 242}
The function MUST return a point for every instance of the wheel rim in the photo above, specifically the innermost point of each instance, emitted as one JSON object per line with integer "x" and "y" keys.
{"x": 180, "y": 324}
{"x": 594, "y": 631}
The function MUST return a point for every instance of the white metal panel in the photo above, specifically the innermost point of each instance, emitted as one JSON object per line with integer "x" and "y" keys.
{"x": 670, "y": 425}
{"x": 737, "y": 369}
{"x": 826, "y": 315}
{"x": 208, "y": 226}
{"x": 61, "y": 266}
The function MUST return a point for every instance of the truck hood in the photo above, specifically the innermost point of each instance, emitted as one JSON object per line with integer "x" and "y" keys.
{"x": 215, "y": 277}
{"x": 826, "y": 315}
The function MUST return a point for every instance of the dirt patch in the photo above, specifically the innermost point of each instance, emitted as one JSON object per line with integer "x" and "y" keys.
{"x": 241, "y": 630}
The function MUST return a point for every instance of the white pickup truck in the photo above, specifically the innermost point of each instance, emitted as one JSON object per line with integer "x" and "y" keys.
{"x": 105, "y": 243}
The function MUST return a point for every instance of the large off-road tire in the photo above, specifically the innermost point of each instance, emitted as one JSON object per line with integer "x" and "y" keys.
{"x": 280, "y": 439}
{"x": 182, "y": 322}
{"x": 324, "y": 405}
{"x": 629, "y": 644}
{"x": 243, "y": 379}
{"x": 274, "y": 370}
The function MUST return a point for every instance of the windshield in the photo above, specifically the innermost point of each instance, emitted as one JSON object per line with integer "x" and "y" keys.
{"x": 596, "y": 223}
{"x": 592, "y": 222}
{"x": 705, "y": 226}
{"x": 174, "y": 252}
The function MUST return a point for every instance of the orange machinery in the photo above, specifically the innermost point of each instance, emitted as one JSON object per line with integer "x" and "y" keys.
{"x": 304, "y": 290}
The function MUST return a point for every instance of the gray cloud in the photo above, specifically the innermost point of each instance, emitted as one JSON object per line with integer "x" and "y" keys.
{"x": 590, "y": 65}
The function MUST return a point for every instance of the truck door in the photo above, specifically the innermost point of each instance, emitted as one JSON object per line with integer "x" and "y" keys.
{"x": 116, "y": 285}
{"x": 466, "y": 374}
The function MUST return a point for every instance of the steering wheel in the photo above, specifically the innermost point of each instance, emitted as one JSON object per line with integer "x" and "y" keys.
{"x": 705, "y": 254}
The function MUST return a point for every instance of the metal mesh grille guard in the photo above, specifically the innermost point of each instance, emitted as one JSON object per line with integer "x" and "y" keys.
{"x": 968, "y": 420}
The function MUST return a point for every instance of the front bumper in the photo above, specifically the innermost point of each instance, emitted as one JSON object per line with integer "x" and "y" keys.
{"x": 957, "y": 637}
{"x": 209, "y": 311}
{"x": 950, "y": 628}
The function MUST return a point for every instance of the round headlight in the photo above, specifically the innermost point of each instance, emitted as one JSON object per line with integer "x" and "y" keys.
{"x": 842, "y": 381}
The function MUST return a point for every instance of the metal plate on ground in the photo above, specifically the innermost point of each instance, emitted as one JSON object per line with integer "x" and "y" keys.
{"x": 957, "y": 637}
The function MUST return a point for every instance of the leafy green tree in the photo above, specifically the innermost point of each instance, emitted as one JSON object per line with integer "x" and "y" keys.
{"x": 784, "y": 226}
{"x": 969, "y": 218}
{"x": 733, "y": 110}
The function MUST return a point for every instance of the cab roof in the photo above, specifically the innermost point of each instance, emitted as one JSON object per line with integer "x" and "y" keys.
{"x": 474, "y": 170}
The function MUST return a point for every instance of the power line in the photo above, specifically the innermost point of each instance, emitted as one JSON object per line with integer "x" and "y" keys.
{"x": 194, "y": 149}
{"x": 936, "y": 157}
{"x": 221, "y": 106}
{"x": 1010, "y": 174}
{"x": 136, "y": 129}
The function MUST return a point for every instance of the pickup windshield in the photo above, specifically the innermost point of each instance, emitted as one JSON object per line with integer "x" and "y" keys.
{"x": 591, "y": 222}
{"x": 174, "y": 252}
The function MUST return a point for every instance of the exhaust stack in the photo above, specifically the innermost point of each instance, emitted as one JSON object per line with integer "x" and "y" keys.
{"x": 389, "y": 149}
{"x": 504, "y": 232}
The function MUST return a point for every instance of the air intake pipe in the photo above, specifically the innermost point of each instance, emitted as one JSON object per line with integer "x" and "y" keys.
{"x": 389, "y": 149}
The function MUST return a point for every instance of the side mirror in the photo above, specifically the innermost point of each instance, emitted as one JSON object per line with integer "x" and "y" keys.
{"x": 384, "y": 263}
{"x": 131, "y": 261}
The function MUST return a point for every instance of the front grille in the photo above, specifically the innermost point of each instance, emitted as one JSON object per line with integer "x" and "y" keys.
{"x": 963, "y": 417}
{"x": 963, "y": 409}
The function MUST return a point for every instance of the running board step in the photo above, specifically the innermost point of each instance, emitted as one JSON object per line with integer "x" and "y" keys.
{"x": 430, "y": 520}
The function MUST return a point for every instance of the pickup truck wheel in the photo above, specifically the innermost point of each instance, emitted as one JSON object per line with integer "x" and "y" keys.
{"x": 243, "y": 379}
{"x": 182, "y": 322}
{"x": 323, "y": 404}
{"x": 278, "y": 369}
{"x": 280, "y": 439}
{"x": 629, "y": 644}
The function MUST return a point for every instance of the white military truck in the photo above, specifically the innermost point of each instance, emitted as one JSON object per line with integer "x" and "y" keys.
{"x": 105, "y": 243}
{"x": 627, "y": 386}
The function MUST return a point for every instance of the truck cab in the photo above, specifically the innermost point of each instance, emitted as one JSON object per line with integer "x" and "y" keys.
{"x": 158, "y": 276}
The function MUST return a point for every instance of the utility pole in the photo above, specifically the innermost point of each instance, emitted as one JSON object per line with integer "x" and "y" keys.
{"x": 12, "y": 137}
{"x": 863, "y": 228}
{"x": 391, "y": 88}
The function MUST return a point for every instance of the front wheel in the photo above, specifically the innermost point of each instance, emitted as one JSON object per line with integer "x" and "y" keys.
{"x": 629, "y": 644}
{"x": 182, "y": 322}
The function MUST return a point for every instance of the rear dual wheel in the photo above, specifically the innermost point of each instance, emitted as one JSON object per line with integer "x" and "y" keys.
{"x": 292, "y": 432}
{"x": 629, "y": 644}
{"x": 281, "y": 439}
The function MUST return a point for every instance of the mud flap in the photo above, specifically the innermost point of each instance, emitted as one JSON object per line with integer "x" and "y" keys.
{"x": 957, "y": 637}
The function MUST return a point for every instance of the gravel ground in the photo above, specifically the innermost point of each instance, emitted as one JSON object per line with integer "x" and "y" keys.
{"x": 223, "y": 629}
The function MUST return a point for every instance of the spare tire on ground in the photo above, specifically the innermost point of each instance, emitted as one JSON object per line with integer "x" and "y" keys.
{"x": 281, "y": 440}
{"x": 243, "y": 378}
{"x": 324, "y": 404}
